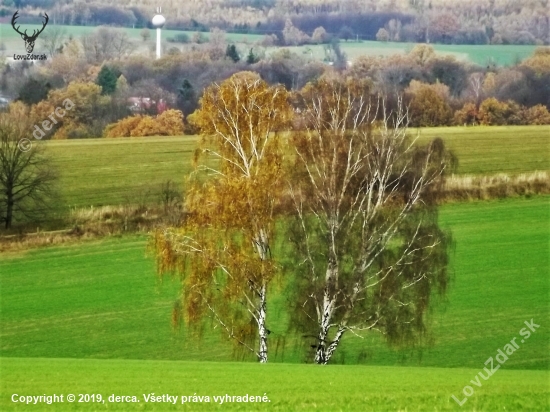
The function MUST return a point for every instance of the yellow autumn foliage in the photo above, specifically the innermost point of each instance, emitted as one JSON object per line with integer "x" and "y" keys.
{"x": 123, "y": 128}
{"x": 228, "y": 234}
{"x": 72, "y": 109}
{"x": 540, "y": 61}
{"x": 429, "y": 105}
{"x": 169, "y": 123}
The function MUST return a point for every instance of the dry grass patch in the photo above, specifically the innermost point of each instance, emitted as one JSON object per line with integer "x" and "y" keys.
{"x": 468, "y": 187}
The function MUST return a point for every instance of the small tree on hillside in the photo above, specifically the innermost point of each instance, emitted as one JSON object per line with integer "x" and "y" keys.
{"x": 345, "y": 33}
{"x": 85, "y": 110}
{"x": 145, "y": 34}
{"x": 292, "y": 35}
{"x": 493, "y": 112}
{"x": 368, "y": 250}
{"x": 428, "y": 107}
{"x": 251, "y": 58}
{"x": 224, "y": 249}
{"x": 382, "y": 35}
{"x": 468, "y": 115}
{"x": 107, "y": 79}
{"x": 34, "y": 91}
{"x": 319, "y": 35}
{"x": 422, "y": 54}
{"x": 186, "y": 98}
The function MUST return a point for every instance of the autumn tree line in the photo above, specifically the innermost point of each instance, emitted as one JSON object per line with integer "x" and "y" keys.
{"x": 99, "y": 74}
{"x": 436, "y": 21}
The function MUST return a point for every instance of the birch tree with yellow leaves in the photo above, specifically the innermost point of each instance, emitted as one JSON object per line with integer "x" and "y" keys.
{"x": 223, "y": 252}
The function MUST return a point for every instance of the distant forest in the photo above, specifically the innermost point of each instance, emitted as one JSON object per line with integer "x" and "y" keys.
{"x": 435, "y": 21}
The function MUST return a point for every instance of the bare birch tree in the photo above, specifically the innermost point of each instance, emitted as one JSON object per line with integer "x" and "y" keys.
{"x": 223, "y": 251}
{"x": 368, "y": 250}
{"x": 476, "y": 87}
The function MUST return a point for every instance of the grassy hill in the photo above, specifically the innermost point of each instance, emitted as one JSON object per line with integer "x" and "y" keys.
{"x": 99, "y": 305}
{"x": 101, "y": 300}
{"x": 500, "y": 265}
{"x": 130, "y": 170}
{"x": 119, "y": 171}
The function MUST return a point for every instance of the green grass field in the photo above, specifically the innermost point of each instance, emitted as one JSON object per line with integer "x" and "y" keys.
{"x": 503, "y": 55}
{"x": 14, "y": 44}
{"x": 501, "y": 270}
{"x": 131, "y": 170}
{"x": 98, "y": 306}
{"x": 484, "y": 150}
{"x": 92, "y": 318}
{"x": 287, "y": 387}
{"x": 101, "y": 300}
{"x": 119, "y": 171}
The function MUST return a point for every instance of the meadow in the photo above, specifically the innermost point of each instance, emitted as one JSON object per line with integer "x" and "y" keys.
{"x": 287, "y": 387}
{"x": 487, "y": 150}
{"x": 92, "y": 317}
{"x": 483, "y": 55}
{"x": 95, "y": 172}
{"x": 501, "y": 55}
{"x": 101, "y": 299}
{"x": 14, "y": 44}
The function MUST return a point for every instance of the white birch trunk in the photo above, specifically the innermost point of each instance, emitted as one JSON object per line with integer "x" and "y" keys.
{"x": 334, "y": 344}
{"x": 326, "y": 314}
{"x": 262, "y": 246}
{"x": 262, "y": 330}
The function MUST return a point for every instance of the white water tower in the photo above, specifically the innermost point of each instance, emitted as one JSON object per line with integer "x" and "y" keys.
{"x": 158, "y": 22}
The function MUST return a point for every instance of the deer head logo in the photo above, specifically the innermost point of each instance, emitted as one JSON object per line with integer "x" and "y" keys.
{"x": 29, "y": 40}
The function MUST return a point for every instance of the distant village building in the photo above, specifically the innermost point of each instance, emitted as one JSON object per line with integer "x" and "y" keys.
{"x": 146, "y": 104}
